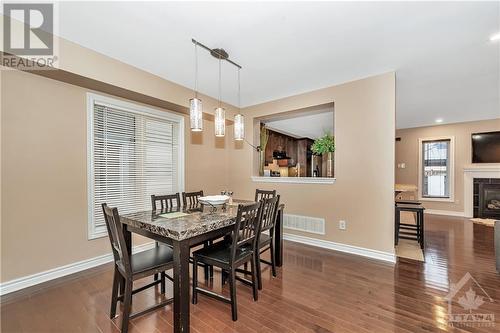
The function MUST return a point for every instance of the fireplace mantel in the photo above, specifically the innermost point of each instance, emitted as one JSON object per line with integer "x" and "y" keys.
{"x": 486, "y": 167}
{"x": 471, "y": 171}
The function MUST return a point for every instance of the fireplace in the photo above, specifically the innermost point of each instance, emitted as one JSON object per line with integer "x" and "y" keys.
{"x": 487, "y": 198}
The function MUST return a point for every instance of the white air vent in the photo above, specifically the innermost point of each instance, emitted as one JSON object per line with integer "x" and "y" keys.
{"x": 313, "y": 225}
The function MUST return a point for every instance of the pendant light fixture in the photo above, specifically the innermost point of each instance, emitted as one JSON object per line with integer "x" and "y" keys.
{"x": 220, "y": 112}
{"x": 195, "y": 104}
{"x": 239, "y": 120}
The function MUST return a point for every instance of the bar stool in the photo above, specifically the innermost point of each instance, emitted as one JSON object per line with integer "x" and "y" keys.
{"x": 409, "y": 231}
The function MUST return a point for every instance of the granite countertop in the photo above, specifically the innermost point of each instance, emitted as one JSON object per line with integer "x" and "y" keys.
{"x": 405, "y": 188}
{"x": 183, "y": 227}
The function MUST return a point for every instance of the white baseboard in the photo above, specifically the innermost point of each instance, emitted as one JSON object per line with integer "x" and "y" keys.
{"x": 51, "y": 274}
{"x": 444, "y": 212}
{"x": 360, "y": 251}
{"x": 34, "y": 279}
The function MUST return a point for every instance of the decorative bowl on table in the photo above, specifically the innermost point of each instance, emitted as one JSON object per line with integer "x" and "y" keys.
{"x": 214, "y": 200}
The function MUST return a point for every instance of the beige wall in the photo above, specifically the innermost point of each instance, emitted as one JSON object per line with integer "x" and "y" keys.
{"x": 363, "y": 192}
{"x": 44, "y": 174}
{"x": 43, "y": 136}
{"x": 44, "y": 158}
{"x": 407, "y": 152}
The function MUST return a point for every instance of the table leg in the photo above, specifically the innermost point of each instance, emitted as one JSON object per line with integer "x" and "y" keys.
{"x": 181, "y": 286}
{"x": 127, "y": 235}
{"x": 278, "y": 238}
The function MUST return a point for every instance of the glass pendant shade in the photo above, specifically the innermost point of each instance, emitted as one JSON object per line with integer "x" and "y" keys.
{"x": 196, "y": 114}
{"x": 220, "y": 121}
{"x": 239, "y": 127}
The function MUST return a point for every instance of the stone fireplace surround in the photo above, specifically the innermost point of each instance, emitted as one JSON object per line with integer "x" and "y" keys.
{"x": 471, "y": 171}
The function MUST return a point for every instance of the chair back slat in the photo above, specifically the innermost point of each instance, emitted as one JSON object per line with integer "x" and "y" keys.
{"x": 264, "y": 194}
{"x": 191, "y": 199}
{"x": 246, "y": 227}
{"x": 269, "y": 213}
{"x": 166, "y": 202}
{"x": 116, "y": 237}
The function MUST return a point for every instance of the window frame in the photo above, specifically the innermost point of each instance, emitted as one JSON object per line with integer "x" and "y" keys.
{"x": 451, "y": 161}
{"x": 92, "y": 98}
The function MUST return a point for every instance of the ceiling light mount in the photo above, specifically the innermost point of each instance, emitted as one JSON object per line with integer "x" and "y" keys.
{"x": 218, "y": 53}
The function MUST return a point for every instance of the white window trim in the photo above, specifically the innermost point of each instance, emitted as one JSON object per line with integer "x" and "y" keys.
{"x": 137, "y": 109}
{"x": 452, "y": 169}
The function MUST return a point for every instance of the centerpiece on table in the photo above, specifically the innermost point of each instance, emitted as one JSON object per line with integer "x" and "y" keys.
{"x": 214, "y": 201}
{"x": 325, "y": 146}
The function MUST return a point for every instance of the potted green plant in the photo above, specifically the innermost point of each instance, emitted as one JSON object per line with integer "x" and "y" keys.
{"x": 325, "y": 146}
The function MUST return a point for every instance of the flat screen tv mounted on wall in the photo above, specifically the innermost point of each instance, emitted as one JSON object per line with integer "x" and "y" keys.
{"x": 486, "y": 147}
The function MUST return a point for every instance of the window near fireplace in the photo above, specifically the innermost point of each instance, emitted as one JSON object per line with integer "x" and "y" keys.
{"x": 436, "y": 169}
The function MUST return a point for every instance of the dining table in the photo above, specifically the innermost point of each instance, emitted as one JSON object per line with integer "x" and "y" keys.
{"x": 183, "y": 228}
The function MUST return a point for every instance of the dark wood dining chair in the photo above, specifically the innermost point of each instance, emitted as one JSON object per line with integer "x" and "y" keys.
{"x": 128, "y": 268}
{"x": 191, "y": 199}
{"x": 230, "y": 255}
{"x": 264, "y": 194}
{"x": 166, "y": 202}
{"x": 266, "y": 235}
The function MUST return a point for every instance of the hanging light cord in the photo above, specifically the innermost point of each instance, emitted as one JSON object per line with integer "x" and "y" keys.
{"x": 239, "y": 91}
{"x": 220, "y": 85}
{"x": 195, "y": 70}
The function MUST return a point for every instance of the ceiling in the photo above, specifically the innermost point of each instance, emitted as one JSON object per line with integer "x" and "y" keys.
{"x": 305, "y": 126}
{"x": 445, "y": 65}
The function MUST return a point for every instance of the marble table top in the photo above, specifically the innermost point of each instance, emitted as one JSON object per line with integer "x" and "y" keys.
{"x": 197, "y": 222}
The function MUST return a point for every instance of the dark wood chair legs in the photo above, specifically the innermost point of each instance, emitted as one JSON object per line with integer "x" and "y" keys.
{"x": 230, "y": 277}
{"x": 194, "y": 294}
{"x": 127, "y": 303}
{"x": 255, "y": 276}
{"x": 208, "y": 270}
{"x": 271, "y": 263}
{"x": 266, "y": 236}
{"x": 397, "y": 221}
{"x": 259, "y": 271}
{"x": 420, "y": 219}
{"x": 232, "y": 292}
{"x": 162, "y": 283}
{"x": 114, "y": 293}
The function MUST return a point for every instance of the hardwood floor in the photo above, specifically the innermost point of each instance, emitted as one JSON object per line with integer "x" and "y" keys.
{"x": 316, "y": 291}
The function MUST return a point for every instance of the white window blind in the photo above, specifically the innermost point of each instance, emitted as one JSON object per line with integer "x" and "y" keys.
{"x": 133, "y": 154}
{"x": 436, "y": 168}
